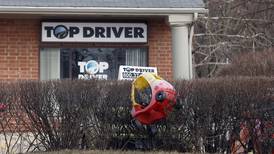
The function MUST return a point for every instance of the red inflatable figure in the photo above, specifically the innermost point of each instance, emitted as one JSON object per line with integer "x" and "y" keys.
{"x": 152, "y": 98}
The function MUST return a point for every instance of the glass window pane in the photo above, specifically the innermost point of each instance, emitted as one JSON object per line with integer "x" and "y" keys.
{"x": 88, "y": 62}
{"x": 65, "y": 64}
{"x": 136, "y": 56}
{"x": 49, "y": 63}
{"x": 106, "y": 62}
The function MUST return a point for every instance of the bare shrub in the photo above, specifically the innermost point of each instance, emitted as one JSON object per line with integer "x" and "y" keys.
{"x": 250, "y": 64}
{"x": 14, "y": 123}
{"x": 74, "y": 114}
{"x": 214, "y": 109}
{"x": 77, "y": 114}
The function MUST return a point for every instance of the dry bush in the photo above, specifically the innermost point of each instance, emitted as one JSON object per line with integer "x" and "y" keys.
{"x": 73, "y": 114}
{"x": 77, "y": 114}
{"x": 250, "y": 64}
{"x": 14, "y": 122}
{"x": 214, "y": 108}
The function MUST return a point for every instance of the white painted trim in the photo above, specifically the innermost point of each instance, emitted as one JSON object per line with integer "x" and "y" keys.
{"x": 181, "y": 19}
{"x": 97, "y": 10}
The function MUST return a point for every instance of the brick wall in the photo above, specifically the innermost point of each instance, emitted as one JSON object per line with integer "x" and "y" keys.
{"x": 160, "y": 54}
{"x": 19, "y": 48}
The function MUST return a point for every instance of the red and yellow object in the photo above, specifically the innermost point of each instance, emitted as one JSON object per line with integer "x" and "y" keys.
{"x": 160, "y": 94}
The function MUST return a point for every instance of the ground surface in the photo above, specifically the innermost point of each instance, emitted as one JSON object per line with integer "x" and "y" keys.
{"x": 102, "y": 152}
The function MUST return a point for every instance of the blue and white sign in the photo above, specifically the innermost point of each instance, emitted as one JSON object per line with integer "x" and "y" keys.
{"x": 94, "y": 32}
{"x": 93, "y": 69}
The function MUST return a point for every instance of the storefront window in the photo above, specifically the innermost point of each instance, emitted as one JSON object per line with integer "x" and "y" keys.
{"x": 86, "y": 63}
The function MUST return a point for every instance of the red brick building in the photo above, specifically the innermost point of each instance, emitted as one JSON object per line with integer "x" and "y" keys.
{"x": 51, "y": 39}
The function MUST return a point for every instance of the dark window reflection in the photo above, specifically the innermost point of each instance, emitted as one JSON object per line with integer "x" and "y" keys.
{"x": 70, "y": 59}
{"x": 65, "y": 61}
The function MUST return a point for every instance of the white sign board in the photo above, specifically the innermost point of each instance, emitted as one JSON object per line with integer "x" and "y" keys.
{"x": 94, "y": 32}
{"x": 132, "y": 72}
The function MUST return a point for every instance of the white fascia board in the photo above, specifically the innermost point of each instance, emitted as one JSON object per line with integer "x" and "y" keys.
{"x": 97, "y": 10}
{"x": 181, "y": 19}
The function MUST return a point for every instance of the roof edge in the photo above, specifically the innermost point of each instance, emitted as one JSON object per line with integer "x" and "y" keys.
{"x": 98, "y": 10}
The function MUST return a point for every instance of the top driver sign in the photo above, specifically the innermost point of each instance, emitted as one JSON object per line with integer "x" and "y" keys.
{"x": 94, "y": 32}
{"x": 132, "y": 72}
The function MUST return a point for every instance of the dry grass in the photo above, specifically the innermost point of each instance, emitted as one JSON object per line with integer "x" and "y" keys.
{"x": 104, "y": 152}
